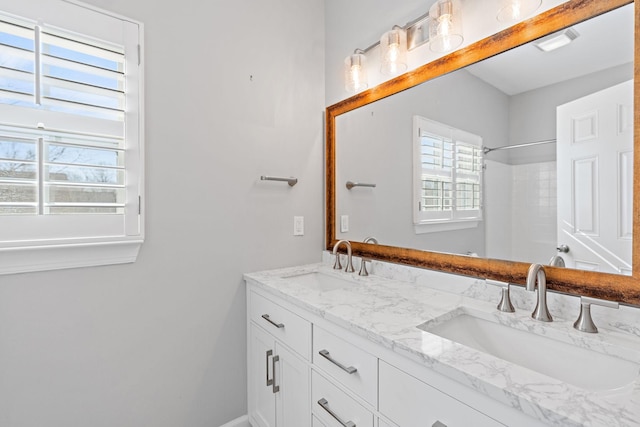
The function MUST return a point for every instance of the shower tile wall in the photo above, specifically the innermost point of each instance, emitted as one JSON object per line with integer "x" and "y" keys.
{"x": 521, "y": 211}
{"x": 534, "y": 211}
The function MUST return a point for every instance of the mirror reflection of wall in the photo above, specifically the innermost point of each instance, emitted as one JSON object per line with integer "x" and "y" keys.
{"x": 509, "y": 99}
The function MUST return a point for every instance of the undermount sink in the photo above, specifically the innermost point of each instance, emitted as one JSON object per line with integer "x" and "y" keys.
{"x": 578, "y": 366}
{"x": 319, "y": 281}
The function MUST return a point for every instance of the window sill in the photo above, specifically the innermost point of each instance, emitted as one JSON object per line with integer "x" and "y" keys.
{"x": 435, "y": 227}
{"x": 61, "y": 256}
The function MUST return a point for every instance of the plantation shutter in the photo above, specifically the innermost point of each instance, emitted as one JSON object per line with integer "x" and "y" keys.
{"x": 448, "y": 174}
{"x": 70, "y": 125}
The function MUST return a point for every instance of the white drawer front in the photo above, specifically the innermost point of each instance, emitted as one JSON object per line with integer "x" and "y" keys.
{"x": 383, "y": 423}
{"x": 286, "y": 326}
{"x": 337, "y": 402}
{"x": 409, "y": 402}
{"x": 317, "y": 422}
{"x": 356, "y": 369}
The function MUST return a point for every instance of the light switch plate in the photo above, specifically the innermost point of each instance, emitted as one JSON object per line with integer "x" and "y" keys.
{"x": 344, "y": 223}
{"x": 298, "y": 226}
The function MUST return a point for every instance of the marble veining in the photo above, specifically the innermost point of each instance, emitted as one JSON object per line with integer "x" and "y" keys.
{"x": 388, "y": 306}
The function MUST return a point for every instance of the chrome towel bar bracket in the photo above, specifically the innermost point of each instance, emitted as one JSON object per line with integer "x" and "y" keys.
{"x": 291, "y": 181}
{"x": 351, "y": 184}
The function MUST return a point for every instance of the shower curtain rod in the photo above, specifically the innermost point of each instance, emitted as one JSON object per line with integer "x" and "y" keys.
{"x": 487, "y": 150}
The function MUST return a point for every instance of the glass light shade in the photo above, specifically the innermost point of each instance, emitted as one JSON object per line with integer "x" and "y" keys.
{"x": 514, "y": 10}
{"x": 445, "y": 26}
{"x": 393, "y": 52}
{"x": 355, "y": 72}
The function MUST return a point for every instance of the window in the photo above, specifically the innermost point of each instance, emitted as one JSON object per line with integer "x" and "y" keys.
{"x": 71, "y": 143}
{"x": 447, "y": 176}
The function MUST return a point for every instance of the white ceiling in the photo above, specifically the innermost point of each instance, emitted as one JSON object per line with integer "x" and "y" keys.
{"x": 604, "y": 42}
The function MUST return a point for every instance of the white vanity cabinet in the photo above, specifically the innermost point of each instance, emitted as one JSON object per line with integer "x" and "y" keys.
{"x": 327, "y": 376}
{"x": 278, "y": 368}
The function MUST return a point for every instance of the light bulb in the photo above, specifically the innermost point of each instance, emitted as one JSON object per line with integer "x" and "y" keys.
{"x": 393, "y": 52}
{"x": 356, "y": 70}
{"x": 514, "y": 10}
{"x": 444, "y": 25}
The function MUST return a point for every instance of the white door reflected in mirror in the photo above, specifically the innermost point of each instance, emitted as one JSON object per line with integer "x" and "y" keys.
{"x": 594, "y": 153}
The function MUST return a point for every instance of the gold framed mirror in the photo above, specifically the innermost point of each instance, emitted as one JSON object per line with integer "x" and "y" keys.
{"x": 621, "y": 288}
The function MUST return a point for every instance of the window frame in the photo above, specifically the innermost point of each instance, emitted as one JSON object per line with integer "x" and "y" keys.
{"x": 85, "y": 243}
{"x": 444, "y": 220}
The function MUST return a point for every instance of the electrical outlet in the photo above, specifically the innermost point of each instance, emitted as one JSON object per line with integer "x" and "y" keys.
{"x": 344, "y": 223}
{"x": 298, "y": 226}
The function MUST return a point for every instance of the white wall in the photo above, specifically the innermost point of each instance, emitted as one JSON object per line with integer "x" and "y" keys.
{"x": 162, "y": 342}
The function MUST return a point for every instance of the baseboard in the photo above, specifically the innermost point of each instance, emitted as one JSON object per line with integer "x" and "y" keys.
{"x": 243, "y": 421}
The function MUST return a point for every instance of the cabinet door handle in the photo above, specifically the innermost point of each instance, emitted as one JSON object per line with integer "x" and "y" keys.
{"x": 438, "y": 424}
{"x": 269, "y": 381}
{"x": 277, "y": 325}
{"x": 275, "y": 388}
{"x": 325, "y": 405}
{"x": 347, "y": 369}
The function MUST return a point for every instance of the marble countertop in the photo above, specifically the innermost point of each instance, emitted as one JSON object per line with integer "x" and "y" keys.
{"x": 388, "y": 311}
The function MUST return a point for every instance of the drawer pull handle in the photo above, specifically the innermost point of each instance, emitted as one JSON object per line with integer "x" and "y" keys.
{"x": 438, "y": 424}
{"x": 347, "y": 369}
{"x": 325, "y": 405}
{"x": 277, "y": 325}
{"x": 269, "y": 381}
{"x": 275, "y": 388}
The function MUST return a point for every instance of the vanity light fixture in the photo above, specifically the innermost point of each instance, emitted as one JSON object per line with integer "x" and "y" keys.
{"x": 394, "y": 45}
{"x": 393, "y": 51}
{"x": 445, "y": 26}
{"x": 556, "y": 40}
{"x": 514, "y": 10}
{"x": 355, "y": 71}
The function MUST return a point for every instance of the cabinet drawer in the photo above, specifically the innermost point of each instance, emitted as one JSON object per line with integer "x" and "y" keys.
{"x": 356, "y": 369}
{"x": 317, "y": 423}
{"x": 338, "y": 403}
{"x": 409, "y": 402}
{"x": 286, "y": 326}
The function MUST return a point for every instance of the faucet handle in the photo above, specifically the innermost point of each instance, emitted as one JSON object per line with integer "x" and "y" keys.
{"x": 585, "y": 322}
{"x": 505, "y": 300}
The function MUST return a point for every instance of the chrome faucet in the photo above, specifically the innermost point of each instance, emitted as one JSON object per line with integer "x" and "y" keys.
{"x": 337, "y": 265}
{"x": 363, "y": 263}
{"x": 537, "y": 274}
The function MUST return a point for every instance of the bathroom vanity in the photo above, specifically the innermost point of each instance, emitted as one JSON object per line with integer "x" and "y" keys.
{"x": 410, "y": 347}
{"x": 328, "y": 348}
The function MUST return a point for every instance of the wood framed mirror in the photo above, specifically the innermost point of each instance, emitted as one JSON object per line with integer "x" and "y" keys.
{"x": 621, "y": 288}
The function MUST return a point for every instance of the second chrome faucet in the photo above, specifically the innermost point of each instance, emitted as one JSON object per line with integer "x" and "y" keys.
{"x": 338, "y": 265}
{"x": 536, "y": 275}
